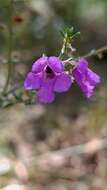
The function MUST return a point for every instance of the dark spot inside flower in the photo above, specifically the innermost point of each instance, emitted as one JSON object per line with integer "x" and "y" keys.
{"x": 49, "y": 72}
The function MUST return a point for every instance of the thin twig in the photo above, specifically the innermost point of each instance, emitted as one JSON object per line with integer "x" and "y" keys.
{"x": 10, "y": 44}
{"x": 95, "y": 52}
{"x": 14, "y": 89}
{"x": 64, "y": 46}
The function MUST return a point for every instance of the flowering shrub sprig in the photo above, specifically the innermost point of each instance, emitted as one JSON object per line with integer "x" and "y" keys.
{"x": 49, "y": 75}
{"x": 53, "y": 74}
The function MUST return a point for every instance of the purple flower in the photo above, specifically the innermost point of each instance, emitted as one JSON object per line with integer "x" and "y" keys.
{"x": 47, "y": 76}
{"x": 85, "y": 77}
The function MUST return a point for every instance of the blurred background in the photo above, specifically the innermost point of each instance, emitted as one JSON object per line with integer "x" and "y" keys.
{"x": 29, "y": 132}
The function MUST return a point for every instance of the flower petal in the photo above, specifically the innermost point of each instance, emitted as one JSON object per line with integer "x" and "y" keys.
{"x": 39, "y": 65}
{"x": 62, "y": 83}
{"x": 45, "y": 96}
{"x": 93, "y": 77}
{"x": 77, "y": 76}
{"x": 55, "y": 64}
{"x": 87, "y": 89}
{"x": 82, "y": 65}
{"x": 86, "y": 82}
{"x": 32, "y": 81}
{"x": 85, "y": 77}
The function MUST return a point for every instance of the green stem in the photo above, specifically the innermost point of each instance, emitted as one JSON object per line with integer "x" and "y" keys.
{"x": 95, "y": 52}
{"x": 10, "y": 46}
{"x": 64, "y": 46}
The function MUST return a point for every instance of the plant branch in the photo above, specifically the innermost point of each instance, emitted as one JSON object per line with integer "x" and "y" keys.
{"x": 14, "y": 89}
{"x": 97, "y": 52}
{"x": 64, "y": 46}
{"x": 10, "y": 46}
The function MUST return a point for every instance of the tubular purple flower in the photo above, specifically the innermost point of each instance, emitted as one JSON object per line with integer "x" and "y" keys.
{"x": 85, "y": 77}
{"x": 47, "y": 77}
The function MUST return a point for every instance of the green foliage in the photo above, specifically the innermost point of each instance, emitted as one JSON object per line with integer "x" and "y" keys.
{"x": 68, "y": 36}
